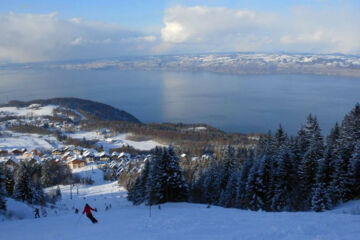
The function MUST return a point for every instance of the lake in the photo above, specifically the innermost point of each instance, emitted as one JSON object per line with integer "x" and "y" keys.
{"x": 232, "y": 103}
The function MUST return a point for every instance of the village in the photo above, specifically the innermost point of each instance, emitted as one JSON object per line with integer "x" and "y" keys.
{"x": 38, "y": 134}
{"x": 43, "y": 146}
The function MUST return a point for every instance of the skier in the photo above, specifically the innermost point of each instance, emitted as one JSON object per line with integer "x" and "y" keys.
{"x": 87, "y": 210}
{"x": 37, "y": 213}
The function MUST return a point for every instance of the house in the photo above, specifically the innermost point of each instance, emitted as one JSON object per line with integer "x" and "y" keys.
{"x": 89, "y": 155}
{"x": 125, "y": 156}
{"x": 104, "y": 156}
{"x": 4, "y": 152}
{"x": 76, "y": 162}
{"x": 114, "y": 155}
{"x": 78, "y": 150}
{"x": 17, "y": 151}
{"x": 57, "y": 152}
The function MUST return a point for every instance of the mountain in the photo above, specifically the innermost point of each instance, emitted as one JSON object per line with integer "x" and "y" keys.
{"x": 98, "y": 110}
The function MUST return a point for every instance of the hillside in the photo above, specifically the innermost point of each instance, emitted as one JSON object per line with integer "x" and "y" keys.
{"x": 173, "y": 220}
{"x": 98, "y": 110}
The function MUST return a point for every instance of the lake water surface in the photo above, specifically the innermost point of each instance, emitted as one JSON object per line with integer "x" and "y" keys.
{"x": 230, "y": 102}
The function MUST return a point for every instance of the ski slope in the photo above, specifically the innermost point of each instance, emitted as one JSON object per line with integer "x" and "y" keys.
{"x": 175, "y": 220}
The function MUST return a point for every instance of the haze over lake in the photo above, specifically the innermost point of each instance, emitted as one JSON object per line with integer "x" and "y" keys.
{"x": 232, "y": 103}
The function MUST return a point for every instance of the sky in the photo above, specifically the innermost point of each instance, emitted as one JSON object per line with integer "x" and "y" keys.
{"x": 58, "y": 30}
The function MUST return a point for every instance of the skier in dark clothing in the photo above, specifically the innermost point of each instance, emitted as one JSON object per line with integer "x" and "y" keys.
{"x": 37, "y": 213}
{"x": 87, "y": 210}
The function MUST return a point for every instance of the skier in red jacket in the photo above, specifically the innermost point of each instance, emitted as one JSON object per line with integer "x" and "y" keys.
{"x": 87, "y": 210}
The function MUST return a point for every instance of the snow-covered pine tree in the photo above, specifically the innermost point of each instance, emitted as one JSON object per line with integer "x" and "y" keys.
{"x": 225, "y": 169}
{"x": 323, "y": 192}
{"x": 2, "y": 191}
{"x": 211, "y": 183}
{"x": 309, "y": 164}
{"x": 38, "y": 194}
{"x": 264, "y": 177}
{"x": 156, "y": 177}
{"x": 354, "y": 170}
{"x": 140, "y": 191}
{"x": 349, "y": 135}
{"x": 9, "y": 180}
{"x": 284, "y": 180}
{"x": 23, "y": 188}
{"x": 241, "y": 194}
{"x": 252, "y": 194}
{"x": 228, "y": 197}
{"x": 321, "y": 198}
{"x": 177, "y": 190}
{"x": 167, "y": 182}
{"x": 46, "y": 174}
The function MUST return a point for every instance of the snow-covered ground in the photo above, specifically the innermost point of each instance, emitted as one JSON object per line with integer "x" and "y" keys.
{"x": 173, "y": 220}
{"x": 29, "y": 141}
{"x": 31, "y": 110}
{"x": 116, "y": 141}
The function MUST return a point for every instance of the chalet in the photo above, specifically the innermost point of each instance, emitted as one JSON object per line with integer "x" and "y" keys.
{"x": 104, "y": 156}
{"x": 78, "y": 150}
{"x": 57, "y": 152}
{"x": 18, "y": 152}
{"x": 69, "y": 148}
{"x": 76, "y": 162}
{"x": 114, "y": 155}
{"x": 28, "y": 155}
{"x": 125, "y": 156}
{"x": 68, "y": 155}
{"x": 37, "y": 152}
{"x": 89, "y": 156}
{"x": 4, "y": 152}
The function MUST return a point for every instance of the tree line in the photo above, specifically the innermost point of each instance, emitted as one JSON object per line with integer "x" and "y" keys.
{"x": 283, "y": 173}
{"x": 26, "y": 181}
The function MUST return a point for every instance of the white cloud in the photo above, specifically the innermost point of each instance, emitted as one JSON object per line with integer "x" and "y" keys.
{"x": 202, "y": 28}
{"x": 41, "y": 37}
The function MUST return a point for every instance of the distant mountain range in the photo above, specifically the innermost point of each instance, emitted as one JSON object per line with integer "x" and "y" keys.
{"x": 234, "y": 63}
{"x": 98, "y": 110}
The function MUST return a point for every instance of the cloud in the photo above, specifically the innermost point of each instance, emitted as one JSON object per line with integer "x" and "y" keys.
{"x": 194, "y": 29}
{"x": 42, "y": 37}
{"x": 302, "y": 29}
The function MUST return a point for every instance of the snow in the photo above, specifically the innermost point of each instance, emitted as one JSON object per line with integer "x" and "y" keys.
{"x": 29, "y": 111}
{"x": 172, "y": 221}
{"x": 28, "y": 141}
{"x": 116, "y": 141}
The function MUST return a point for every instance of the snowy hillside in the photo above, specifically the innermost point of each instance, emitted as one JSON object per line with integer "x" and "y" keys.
{"x": 172, "y": 221}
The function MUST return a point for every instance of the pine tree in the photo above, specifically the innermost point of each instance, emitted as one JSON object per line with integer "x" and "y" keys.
{"x": 211, "y": 183}
{"x": 23, "y": 188}
{"x": 252, "y": 194}
{"x": 309, "y": 164}
{"x": 322, "y": 193}
{"x": 349, "y": 135}
{"x": 284, "y": 180}
{"x": 166, "y": 180}
{"x": 241, "y": 194}
{"x": 228, "y": 197}
{"x": 46, "y": 174}
{"x": 140, "y": 191}
{"x": 2, "y": 191}
{"x": 263, "y": 181}
{"x": 354, "y": 170}
{"x": 9, "y": 181}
